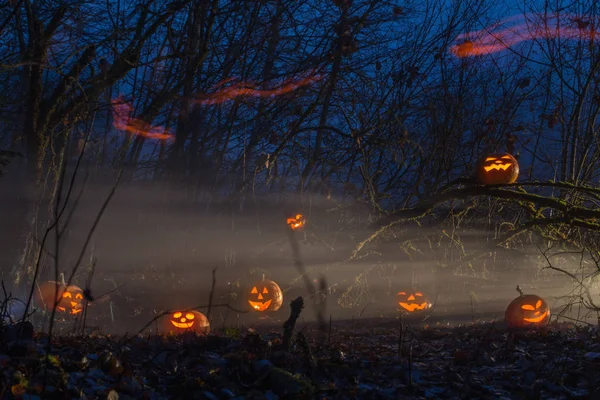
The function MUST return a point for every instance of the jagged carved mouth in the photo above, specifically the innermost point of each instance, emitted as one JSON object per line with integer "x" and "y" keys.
{"x": 259, "y": 306}
{"x": 497, "y": 167}
{"x": 412, "y": 306}
{"x": 73, "y": 311}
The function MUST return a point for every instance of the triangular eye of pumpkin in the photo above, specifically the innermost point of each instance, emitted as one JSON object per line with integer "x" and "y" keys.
{"x": 527, "y": 307}
{"x": 177, "y": 315}
{"x": 538, "y": 304}
{"x": 254, "y": 290}
{"x": 265, "y": 291}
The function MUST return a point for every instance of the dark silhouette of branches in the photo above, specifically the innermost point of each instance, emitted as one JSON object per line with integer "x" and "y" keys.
{"x": 572, "y": 214}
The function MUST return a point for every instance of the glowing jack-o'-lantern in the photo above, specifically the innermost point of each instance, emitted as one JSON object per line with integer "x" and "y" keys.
{"x": 70, "y": 297}
{"x": 528, "y": 310}
{"x": 186, "y": 321}
{"x": 296, "y": 222}
{"x": 265, "y": 296}
{"x": 497, "y": 169}
{"x": 412, "y": 302}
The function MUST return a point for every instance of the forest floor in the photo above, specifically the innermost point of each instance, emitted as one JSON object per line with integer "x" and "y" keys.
{"x": 457, "y": 353}
{"x": 374, "y": 359}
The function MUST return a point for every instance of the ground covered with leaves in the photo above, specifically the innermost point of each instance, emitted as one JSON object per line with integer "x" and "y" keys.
{"x": 472, "y": 362}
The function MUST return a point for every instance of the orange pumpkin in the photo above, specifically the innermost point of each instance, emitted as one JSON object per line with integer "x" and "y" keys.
{"x": 265, "y": 296}
{"x": 528, "y": 310}
{"x": 70, "y": 297}
{"x": 497, "y": 169}
{"x": 296, "y": 222}
{"x": 186, "y": 321}
{"x": 412, "y": 302}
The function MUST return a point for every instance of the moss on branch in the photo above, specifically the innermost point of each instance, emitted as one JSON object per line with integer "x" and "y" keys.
{"x": 570, "y": 214}
{"x": 500, "y": 192}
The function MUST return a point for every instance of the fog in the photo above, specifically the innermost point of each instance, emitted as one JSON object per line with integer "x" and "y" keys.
{"x": 157, "y": 244}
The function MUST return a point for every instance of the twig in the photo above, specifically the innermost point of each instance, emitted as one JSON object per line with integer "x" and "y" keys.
{"x": 329, "y": 333}
{"x": 87, "y": 295}
{"x": 296, "y": 307}
{"x": 227, "y": 310}
{"x": 57, "y": 237}
{"x": 400, "y": 338}
{"x": 472, "y": 310}
{"x": 109, "y": 292}
{"x": 364, "y": 309}
{"x": 95, "y": 225}
{"x": 319, "y": 309}
{"x": 410, "y": 365}
{"x": 75, "y": 202}
{"x": 85, "y": 245}
{"x": 584, "y": 288}
{"x": 310, "y": 362}
{"x": 45, "y": 237}
{"x": 576, "y": 320}
{"x": 212, "y": 292}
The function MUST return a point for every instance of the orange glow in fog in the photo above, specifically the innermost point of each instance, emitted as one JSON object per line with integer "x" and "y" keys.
{"x": 490, "y": 40}
{"x": 122, "y": 120}
{"x": 122, "y": 111}
{"x": 249, "y": 89}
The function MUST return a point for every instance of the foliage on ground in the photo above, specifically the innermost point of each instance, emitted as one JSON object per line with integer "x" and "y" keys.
{"x": 477, "y": 361}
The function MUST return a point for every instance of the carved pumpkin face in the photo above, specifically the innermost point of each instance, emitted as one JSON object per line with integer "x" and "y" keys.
{"x": 412, "y": 302}
{"x": 296, "y": 222}
{"x": 72, "y": 300}
{"x": 528, "y": 310}
{"x": 187, "y": 321}
{"x": 497, "y": 169}
{"x": 265, "y": 296}
{"x": 70, "y": 297}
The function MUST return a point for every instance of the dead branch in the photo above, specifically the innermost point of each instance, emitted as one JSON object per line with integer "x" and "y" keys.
{"x": 296, "y": 307}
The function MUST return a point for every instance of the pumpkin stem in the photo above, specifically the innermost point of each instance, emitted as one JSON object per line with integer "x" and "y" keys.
{"x": 520, "y": 290}
{"x": 264, "y": 277}
{"x": 62, "y": 278}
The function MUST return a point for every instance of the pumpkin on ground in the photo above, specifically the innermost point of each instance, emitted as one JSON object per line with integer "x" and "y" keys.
{"x": 527, "y": 310}
{"x": 412, "y": 302}
{"x": 497, "y": 169}
{"x": 70, "y": 297}
{"x": 265, "y": 295}
{"x": 296, "y": 222}
{"x": 179, "y": 322}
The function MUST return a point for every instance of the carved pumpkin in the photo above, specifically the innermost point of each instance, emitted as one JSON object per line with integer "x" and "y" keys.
{"x": 412, "y": 302}
{"x": 296, "y": 222}
{"x": 265, "y": 296}
{"x": 527, "y": 310}
{"x": 70, "y": 297}
{"x": 497, "y": 169}
{"x": 186, "y": 321}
